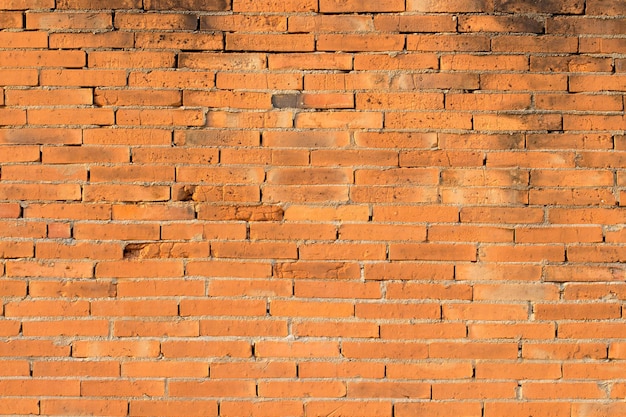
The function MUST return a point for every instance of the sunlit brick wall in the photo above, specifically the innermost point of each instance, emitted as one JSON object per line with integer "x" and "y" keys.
{"x": 313, "y": 208}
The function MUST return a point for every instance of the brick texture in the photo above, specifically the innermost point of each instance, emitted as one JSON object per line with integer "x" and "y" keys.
{"x": 313, "y": 208}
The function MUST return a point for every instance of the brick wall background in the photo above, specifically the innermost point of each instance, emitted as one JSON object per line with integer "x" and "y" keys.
{"x": 313, "y": 208}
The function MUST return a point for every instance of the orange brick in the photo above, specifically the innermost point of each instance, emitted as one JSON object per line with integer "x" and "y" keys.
{"x": 336, "y": 120}
{"x": 485, "y": 311}
{"x": 430, "y": 370}
{"x": 434, "y": 6}
{"x": 83, "y": 77}
{"x": 593, "y": 291}
{"x": 155, "y": 21}
{"x": 72, "y": 289}
{"x": 473, "y": 390}
{"x": 11, "y": 20}
{"x": 20, "y": 40}
{"x": 212, "y": 388}
{"x": 258, "y": 369}
{"x": 242, "y": 22}
{"x": 140, "y": 268}
{"x": 135, "y": 193}
{"x": 254, "y": 328}
{"x": 408, "y": 101}
{"x": 481, "y": 141}
{"x": 76, "y": 368}
{"x": 174, "y": 117}
{"x": 270, "y": 42}
{"x": 423, "y": 331}
{"x": 391, "y": 310}
{"x": 315, "y": 329}
{"x": 386, "y": 350}
{"x": 473, "y": 350}
{"x": 162, "y": 287}
{"x": 69, "y": 211}
{"x": 316, "y": 289}
{"x": 167, "y": 408}
{"x": 404, "y": 61}
{"x": 556, "y": 409}
{"x": 521, "y": 82}
{"x": 20, "y": 153}
{"x": 308, "y": 61}
{"x": 87, "y": 116}
{"x": 66, "y": 328}
{"x": 105, "y": 97}
{"x": 164, "y": 368}
{"x": 522, "y": 253}
{"x": 342, "y": 251}
{"x": 301, "y": 6}
{"x": 384, "y": 232}
{"x": 299, "y": 308}
{"x": 172, "y": 79}
{"x": 74, "y": 20}
{"x": 564, "y": 351}
{"x": 596, "y": 409}
{"x": 566, "y": 273}
{"x": 432, "y": 251}
{"x": 34, "y": 348}
{"x": 518, "y": 331}
{"x": 573, "y": 390}
{"x": 521, "y": 24}
{"x": 130, "y": 308}
{"x": 368, "y": 43}
{"x": 419, "y": 291}
{"x": 112, "y": 231}
{"x": 348, "y": 408}
{"x": 136, "y": 59}
{"x": 25, "y": 268}
{"x": 316, "y": 270}
{"x": 348, "y": 212}
{"x": 488, "y": 101}
{"x": 91, "y": 40}
{"x": 182, "y": 41}
{"x": 517, "y": 292}
{"x": 329, "y": 23}
{"x": 216, "y": 307}
{"x": 116, "y": 348}
{"x": 261, "y": 408}
{"x": 121, "y": 388}
{"x": 95, "y": 407}
{"x": 545, "y": 43}
{"x": 527, "y": 371}
{"x": 497, "y": 271}
{"x": 445, "y": 42}
{"x": 43, "y": 387}
{"x": 429, "y": 120}
{"x": 282, "y": 389}
{"x": 519, "y": 6}
{"x": 256, "y": 81}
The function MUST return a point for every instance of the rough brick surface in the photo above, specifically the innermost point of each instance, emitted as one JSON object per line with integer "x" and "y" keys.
{"x": 313, "y": 208}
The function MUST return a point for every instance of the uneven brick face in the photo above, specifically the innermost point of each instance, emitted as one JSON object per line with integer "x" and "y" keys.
{"x": 335, "y": 207}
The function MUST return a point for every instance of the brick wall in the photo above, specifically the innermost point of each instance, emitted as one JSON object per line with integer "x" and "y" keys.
{"x": 313, "y": 208}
